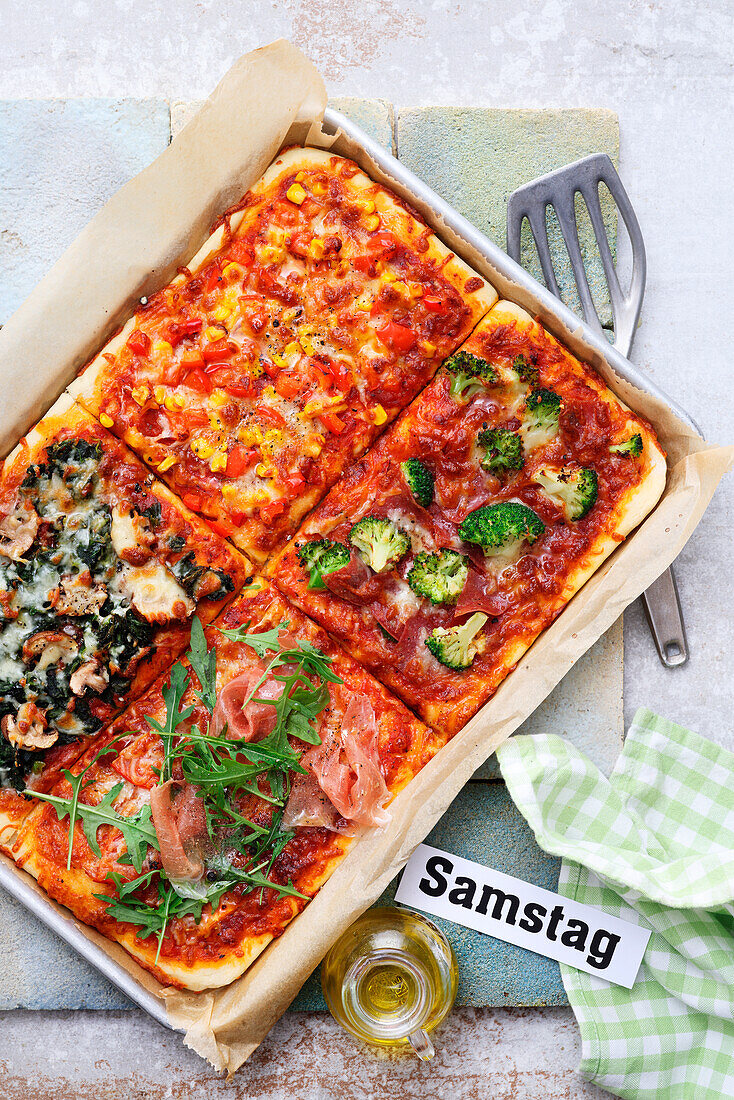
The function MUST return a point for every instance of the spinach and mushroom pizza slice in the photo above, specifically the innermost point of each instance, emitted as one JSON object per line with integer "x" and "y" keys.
{"x": 441, "y": 556}
{"x": 101, "y": 570}
{"x": 320, "y": 306}
{"x": 217, "y": 805}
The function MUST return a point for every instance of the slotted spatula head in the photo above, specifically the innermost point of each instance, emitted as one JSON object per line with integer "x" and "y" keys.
{"x": 557, "y": 191}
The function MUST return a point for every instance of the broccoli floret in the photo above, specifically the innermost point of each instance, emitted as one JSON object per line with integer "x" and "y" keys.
{"x": 470, "y": 374}
{"x": 321, "y": 557}
{"x": 419, "y": 480}
{"x": 573, "y": 490}
{"x": 501, "y": 529}
{"x": 380, "y": 542}
{"x": 457, "y": 646}
{"x": 526, "y": 371}
{"x": 439, "y": 577}
{"x": 631, "y": 448}
{"x": 503, "y": 449}
{"x": 542, "y": 410}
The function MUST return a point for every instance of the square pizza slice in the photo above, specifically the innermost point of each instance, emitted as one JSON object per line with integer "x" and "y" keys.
{"x": 101, "y": 570}
{"x": 441, "y": 555}
{"x": 315, "y": 312}
{"x": 215, "y": 807}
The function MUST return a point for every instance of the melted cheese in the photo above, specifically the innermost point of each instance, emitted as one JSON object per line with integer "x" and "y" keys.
{"x": 154, "y": 593}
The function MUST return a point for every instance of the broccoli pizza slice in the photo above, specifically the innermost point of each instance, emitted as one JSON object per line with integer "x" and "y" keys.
{"x": 442, "y": 555}
{"x": 101, "y": 570}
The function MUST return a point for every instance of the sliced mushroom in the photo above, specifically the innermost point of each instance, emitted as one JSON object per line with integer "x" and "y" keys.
{"x": 18, "y": 530}
{"x": 79, "y": 595}
{"x": 28, "y": 729}
{"x": 49, "y": 647}
{"x": 89, "y": 675}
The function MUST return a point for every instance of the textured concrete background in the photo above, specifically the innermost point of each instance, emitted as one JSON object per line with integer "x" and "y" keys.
{"x": 667, "y": 71}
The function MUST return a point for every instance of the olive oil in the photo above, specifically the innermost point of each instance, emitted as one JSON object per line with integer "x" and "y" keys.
{"x": 391, "y": 979}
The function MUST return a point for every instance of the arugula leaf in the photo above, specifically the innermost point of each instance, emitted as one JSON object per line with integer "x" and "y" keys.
{"x": 263, "y": 643}
{"x": 204, "y": 664}
{"x": 173, "y": 693}
{"x": 138, "y": 831}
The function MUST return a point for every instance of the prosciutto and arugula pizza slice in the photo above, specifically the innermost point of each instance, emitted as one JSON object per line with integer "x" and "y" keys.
{"x": 314, "y": 313}
{"x": 441, "y": 556}
{"x": 203, "y": 820}
{"x": 101, "y": 570}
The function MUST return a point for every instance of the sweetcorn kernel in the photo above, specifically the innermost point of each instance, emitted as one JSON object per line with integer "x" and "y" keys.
{"x": 296, "y": 193}
{"x": 265, "y": 470}
{"x": 159, "y": 394}
{"x": 379, "y": 415}
{"x": 179, "y": 400}
{"x": 215, "y": 421}
{"x": 221, "y": 313}
{"x": 218, "y": 398}
{"x": 372, "y": 222}
{"x": 140, "y": 394}
{"x": 368, "y": 207}
{"x": 317, "y": 249}
{"x": 162, "y": 347}
{"x": 201, "y": 447}
{"x": 232, "y": 271}
{"x": 167, "y": 463}
{"x": 215, "y": 332}
{"x": 429, "y": 348}
{"x": 230, "y": 492}
{"x": 106, "y": 421}
{"x": 364, "y": 302}
{"x": 218, "y": 462}
{"x": 292, "y": 348}
{"x": 319, "y": 188}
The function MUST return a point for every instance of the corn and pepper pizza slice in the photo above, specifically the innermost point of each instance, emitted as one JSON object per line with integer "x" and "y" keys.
{"x": 441, "y": 555}
{"x": 215, "y": 807}
{"x": 315, "y": 312}
{"x": 101, "y": 570}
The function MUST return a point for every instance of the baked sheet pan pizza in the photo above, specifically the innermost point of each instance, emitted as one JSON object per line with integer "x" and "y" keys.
{"x": 442, "y": 554}
{"x": 101, "y": 570}
{"x": 316, "y": 311}
{"x": 207, "y": 815}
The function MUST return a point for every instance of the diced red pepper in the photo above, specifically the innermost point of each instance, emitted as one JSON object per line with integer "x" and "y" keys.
{"x": 287, "y": 385}
{"x": 193, "y": 500}
{"x": 434, "y": 304}
{"x": 199, "y": 381}
{"x": 217, "y": 351}
{"x": 399, "y": 336}
{"x": 239, "y": 459}
{"x": 269, "y": 415}
{"x": 213, "y": 278}
{"x": 138, "y": 342}
{"x": 240, "y": 389}
{"x": 365, "y": 264}
{"x": 272, "y": 509}
{"x": 381, "y": 244}
{"x": 222, "y": 527}
{"x": 295, "y": 481}
{"x": 179, "y": 330}
{"x": 332, "y": 423}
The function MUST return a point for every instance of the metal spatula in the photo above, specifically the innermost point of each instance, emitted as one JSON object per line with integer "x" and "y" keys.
{"x": 557, "y": 191}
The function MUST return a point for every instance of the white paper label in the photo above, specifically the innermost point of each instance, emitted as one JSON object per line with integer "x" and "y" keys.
{"x": 517, "y": 912}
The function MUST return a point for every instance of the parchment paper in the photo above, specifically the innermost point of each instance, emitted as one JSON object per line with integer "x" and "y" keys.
{"x": 271, "y": 98}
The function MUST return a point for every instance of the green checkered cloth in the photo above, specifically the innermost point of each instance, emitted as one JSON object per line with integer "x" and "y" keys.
{"x": 654, "y": 844}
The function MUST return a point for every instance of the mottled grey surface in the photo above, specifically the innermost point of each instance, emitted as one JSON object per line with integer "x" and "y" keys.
{"x": 59, "y": 162}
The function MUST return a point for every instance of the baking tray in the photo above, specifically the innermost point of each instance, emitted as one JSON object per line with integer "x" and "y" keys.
{"x": 555, "y": 315}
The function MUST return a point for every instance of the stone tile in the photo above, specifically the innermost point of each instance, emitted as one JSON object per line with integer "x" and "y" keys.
{"x": 475, "y": 157}
{"x": 60, "y": 160}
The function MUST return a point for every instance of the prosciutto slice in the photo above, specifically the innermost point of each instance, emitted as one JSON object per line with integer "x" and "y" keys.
{"x": 354, "y": 582}
{"x": 257, "y": 720}
{"x": 179, "y": 819}
{"x": 309, "y": 806}
{"x": 346, "y": 766}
